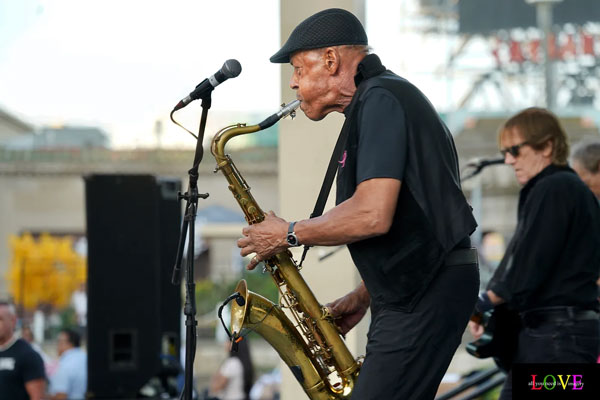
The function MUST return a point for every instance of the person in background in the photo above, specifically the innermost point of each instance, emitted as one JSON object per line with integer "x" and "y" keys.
{"x": 235, "y": 376}
{"x": 79, "y": 304}
{"x": 491, "y": 251}
{"x": 549, "y": 271}
{"x": 22, "y": 375}
{"x": 585, "y": 159}
{"x": 49, "y": 363}
{"x": 70, "y": 379}
{"x": 267, "y": 386}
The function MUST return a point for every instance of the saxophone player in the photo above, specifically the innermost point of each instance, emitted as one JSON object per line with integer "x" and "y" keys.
{"x": 400, "y": 210}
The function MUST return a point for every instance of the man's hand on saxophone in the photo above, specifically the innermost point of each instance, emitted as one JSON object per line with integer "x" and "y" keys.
{"x": 264, "y": 239}
{"x": 350, "y": 309}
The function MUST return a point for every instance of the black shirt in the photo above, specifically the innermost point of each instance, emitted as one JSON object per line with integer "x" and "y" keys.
{"x": 19, "y": 364}
{"x": 396, "y": 133}
{"x": 553, "y": 258}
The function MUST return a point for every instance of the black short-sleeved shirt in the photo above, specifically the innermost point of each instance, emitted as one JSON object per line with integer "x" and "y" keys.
{"x": 553, "y": 258}
{"x": 19, "y": 364}
{"x": 394, "y": 132}
{"x": 379, "y": 150}
{"x": 381, "y": 147}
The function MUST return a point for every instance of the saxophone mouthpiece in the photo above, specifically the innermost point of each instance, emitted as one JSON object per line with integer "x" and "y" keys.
{"x": 289, "y": 109}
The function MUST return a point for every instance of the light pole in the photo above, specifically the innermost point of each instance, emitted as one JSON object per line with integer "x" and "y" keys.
{"x": 544, "y": 23}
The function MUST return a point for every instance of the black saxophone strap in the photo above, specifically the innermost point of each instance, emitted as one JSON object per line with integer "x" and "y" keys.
{"x": 340, "y": 145}
{"x": 329, "y": 176}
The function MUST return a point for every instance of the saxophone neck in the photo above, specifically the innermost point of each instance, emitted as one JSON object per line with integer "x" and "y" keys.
{"x": 224, "y": 135}
{"x": 231, "y": 131}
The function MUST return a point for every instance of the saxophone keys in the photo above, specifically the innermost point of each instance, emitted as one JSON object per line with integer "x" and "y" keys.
{"x": 327, "y": 314}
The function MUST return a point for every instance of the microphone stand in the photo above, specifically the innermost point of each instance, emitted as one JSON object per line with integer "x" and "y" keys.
{"x": 188, "y": 230}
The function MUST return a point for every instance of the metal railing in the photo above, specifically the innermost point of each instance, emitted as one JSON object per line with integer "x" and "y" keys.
{"x": 98, "y": 160}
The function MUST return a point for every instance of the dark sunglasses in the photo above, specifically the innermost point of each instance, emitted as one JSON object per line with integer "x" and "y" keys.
{"x": 513, "y": 150}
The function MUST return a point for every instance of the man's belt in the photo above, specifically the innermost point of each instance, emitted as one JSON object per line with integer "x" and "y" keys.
{"x": 461, "y": 257}
{"x": 547, "y": 315}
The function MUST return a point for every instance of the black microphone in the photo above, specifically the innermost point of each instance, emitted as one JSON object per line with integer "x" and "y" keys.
{"x": 240, "y": 300}
{"x": 230, "y": 69}
{"x": 481, "y": 163}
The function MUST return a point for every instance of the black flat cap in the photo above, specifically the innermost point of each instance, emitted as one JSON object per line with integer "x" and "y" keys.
{"x": 332, "y": 27}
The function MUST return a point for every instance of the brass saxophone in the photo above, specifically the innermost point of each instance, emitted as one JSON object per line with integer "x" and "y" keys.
{"x": 311, "y": 344}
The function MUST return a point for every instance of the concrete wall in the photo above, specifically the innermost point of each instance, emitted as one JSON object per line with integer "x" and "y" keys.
{"x": 56, "y": 203}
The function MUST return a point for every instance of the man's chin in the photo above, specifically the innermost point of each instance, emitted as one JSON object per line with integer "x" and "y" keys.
{"x": 314, "y": 116}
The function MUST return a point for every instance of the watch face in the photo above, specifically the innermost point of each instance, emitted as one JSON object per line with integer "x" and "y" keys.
{"x": 292, "y": 240}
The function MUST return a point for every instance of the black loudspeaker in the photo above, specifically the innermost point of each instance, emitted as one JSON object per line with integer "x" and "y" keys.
{"x": 134, "y": 312}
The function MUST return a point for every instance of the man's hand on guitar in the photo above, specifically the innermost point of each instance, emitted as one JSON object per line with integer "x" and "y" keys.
{"x": 487, "y": 301}
{"x": 475, "y": 329}
{"x": 350, "y": 309}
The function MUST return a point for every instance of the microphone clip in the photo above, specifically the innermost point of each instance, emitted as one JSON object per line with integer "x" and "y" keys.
{"x": 239, "y": 299}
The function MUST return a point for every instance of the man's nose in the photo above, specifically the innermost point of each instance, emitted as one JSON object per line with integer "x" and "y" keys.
{"x": 509, "y": 159}
{"x": 293, "y": 82}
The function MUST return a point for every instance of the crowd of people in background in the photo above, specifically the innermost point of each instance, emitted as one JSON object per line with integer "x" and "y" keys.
{"x": 28, "y": 373}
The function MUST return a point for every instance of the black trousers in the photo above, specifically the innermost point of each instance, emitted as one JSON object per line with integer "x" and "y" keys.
{"x": 408, "y": 353}
{"x": 565, "y": 342}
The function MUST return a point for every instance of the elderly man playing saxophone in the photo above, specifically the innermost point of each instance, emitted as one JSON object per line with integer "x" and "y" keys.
{"x": 400, "y": 210}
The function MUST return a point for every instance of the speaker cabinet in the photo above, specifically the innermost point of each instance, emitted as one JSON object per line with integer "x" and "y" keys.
{"x": 134, "y": 312}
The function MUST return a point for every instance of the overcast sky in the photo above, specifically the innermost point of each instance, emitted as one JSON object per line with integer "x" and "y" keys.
{"x": 123, "y": 65}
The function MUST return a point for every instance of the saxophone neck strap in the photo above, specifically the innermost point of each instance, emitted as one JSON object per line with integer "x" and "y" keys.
{"x": 328, "y": 180}
{"x": 334, "y": 161}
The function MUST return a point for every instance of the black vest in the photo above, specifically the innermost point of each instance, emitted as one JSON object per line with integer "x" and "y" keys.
{"x": 432, "y": 215}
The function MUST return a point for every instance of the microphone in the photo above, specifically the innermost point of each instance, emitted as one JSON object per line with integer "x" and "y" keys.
{"x": 230, "y": 69}
{"x": 481, "y": 163}
{"x": 240, "y": 300}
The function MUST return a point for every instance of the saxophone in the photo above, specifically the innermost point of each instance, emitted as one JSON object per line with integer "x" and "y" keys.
{"x": 311, "y": 345}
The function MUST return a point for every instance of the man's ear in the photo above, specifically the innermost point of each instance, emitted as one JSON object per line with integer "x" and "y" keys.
{"x": 331, "y": 58}
{"x": 548, "y": 148}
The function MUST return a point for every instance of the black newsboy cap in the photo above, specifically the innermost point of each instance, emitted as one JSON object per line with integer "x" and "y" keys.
{"x": 332, "y": 27}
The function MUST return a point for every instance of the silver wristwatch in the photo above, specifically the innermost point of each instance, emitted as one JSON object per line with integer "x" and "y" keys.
{"x": 291, "y": 236}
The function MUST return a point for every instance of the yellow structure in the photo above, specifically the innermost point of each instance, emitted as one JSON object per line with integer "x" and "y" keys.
{"x": 45, "y": 271}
